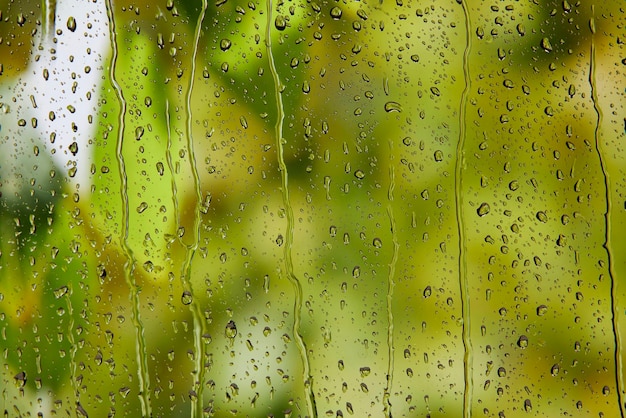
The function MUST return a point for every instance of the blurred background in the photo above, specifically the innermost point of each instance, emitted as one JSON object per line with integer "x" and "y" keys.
{"x": 312, "y": 208}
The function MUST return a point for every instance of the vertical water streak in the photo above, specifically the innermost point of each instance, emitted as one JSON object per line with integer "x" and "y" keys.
{"x": 390, "y": 287}
{"x": 72, "y": 341}
{"x": 48, "y": 14}
{"x": 168, "y": 158}
{"x": 458, "y": 179}
{"x": 619, "y": 374}
{"x": 199, "y": 328}
{"x": 306, "y": 372}
{"x": 129, "y": 266}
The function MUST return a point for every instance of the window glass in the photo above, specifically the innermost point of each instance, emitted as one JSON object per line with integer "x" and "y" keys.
{"x": 321, "y": 208}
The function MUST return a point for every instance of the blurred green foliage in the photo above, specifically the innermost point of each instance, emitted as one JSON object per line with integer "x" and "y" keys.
{"x": 436, "y": 233}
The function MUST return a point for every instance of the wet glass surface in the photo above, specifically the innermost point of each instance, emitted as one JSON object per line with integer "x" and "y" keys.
{"x": 409, "y": 208}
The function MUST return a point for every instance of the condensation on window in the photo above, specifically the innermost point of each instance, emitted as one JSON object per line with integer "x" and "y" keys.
{"x": 321, "y": 208}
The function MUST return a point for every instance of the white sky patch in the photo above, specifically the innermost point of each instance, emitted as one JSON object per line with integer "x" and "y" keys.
{"x": 52, "y": 106}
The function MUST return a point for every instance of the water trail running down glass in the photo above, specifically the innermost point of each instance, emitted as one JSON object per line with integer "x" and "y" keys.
{"x": 72, "y": 341}
{"x": 129, "y": 266}
{"x": 390, "y": 287}
{"x": 48, "y": 13}
{"x": 619, "y": 374}
{"x": 463, "y": 280}
{"x": 199, "y": 328}
{"x": 168, "y": 159}
{"x": 306, "y": 372}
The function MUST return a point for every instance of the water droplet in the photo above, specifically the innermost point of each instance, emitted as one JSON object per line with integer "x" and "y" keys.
{"x": 501, "y": 372}
{"x": 231, "y": 329}
{"x": 225, "y": 44}
{"x": 186, "y": 297}
{"x": 545, "y": 44}
{"x": 435, "y": 91}
{"x": 244, "y": 122}
{"x": 142, "y": 207}
{"x": 555, "y": 370}
{"x": 483, "y": 209}
{"x": 438, "y": 156}
{"x": 365, "y": 371}
{"x": 359, "y": 174}
{"x": 148, "y": 266}
{"x": 71, "y": 23}
{"x": 528, "y": 407}
{"x": 280, "y": 23}
{"x": 542, "y": 216}
{"x": 393, "y": 107}
{"x": 60, "y": 292}
{"x": 427, "y": 291}
{"x": 522, "y": 341}
{"x": 542, "y": 310}
{"x": 336, "y": 13}
{"x": 139, "y": 132}
{"x": 415, "y": 58}
{"x": 377, "y": 243}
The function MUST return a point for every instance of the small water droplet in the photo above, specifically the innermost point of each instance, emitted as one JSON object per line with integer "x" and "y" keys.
{"x": 231, "y": 329}
{"x": 427, "y": 291}
{"x": 555, "y": 370}
{"x": 60, "y": 292}
{"x": 542, "y": 310}
{"x": 186, "y": 297}
{"x": 139, "y": 132}
{"x": 359, "y": 174}
{"x": 522, "y": 341}
{"x": 528, "y": 407}
{"x": 438, "y": 155}
{"x": 541, "y": 216}
{"x": 483, "y": 209}
{"x": 545, "y": 44}
{"x": 225, "y": 44}
{"x": 142, "y": 207}
{"x": 71, "y": 23}
{"x": 280, "y": 23}
{"x": 336, "y": 13}
{"x": 393, "y": 107}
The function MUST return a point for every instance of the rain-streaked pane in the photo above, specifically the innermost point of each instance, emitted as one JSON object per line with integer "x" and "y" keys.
{"x": 312, "y": 208}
